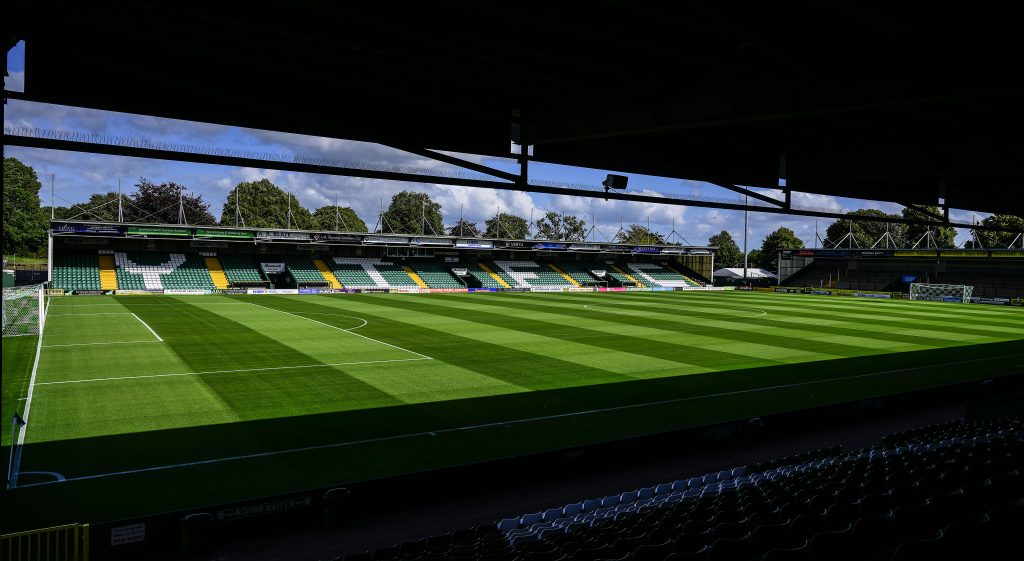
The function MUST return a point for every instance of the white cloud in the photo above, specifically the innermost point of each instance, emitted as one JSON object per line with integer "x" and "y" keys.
{"x": 15, "y": 81}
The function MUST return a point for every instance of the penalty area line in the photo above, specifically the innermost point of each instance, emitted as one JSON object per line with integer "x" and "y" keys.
{"x": 141, "y": 376}
{"x": 436, "y": 432}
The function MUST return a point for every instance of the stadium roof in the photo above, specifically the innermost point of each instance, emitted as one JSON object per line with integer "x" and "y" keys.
{"x": 883, "y": 101}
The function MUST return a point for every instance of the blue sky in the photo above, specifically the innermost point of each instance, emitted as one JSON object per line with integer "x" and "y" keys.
{"x": 76, "y": 176}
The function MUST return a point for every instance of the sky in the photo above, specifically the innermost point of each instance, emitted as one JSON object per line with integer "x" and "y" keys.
{"x": 78, "y": 175}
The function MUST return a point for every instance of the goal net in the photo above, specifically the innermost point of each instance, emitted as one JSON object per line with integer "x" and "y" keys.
{"x": 24, "y": 310}
{"x": 941, "y": 292}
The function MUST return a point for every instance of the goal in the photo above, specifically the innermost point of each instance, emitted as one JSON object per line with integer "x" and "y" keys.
{"x": 24, "y": 310}
{"x": 941, "y": 292}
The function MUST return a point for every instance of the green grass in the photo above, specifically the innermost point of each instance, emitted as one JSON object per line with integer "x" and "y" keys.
{"x": 353, "y": 387}
{"x": 22, "y": 260}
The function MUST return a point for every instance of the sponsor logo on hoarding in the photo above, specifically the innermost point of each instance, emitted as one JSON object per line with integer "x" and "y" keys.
{"x": 185, "y": 291}
{"x": 547, "y": 245}
{"x": 330, "y": 237}
{"x": 481, "y": 290}
{"x": 475, "y": 244}
{"x": 964, "y": 253}
{"x": 545, "y": 289}
{"x": 1007, "y": 253}
{"x": 646, "y": 249}
{"x": 264, "y": 509}
{"x": 272, "y": 268}
{"x": 386, "y": 240}
{"x": 872, "y": 295}
{"x": 432, "y": 241}
{"x": 87, "y": 229}
{"x": 140, "y": 292}
{"x": 242, "y": 234}
{"x": 310, "y": 291}
{"x": 91, "y": 292}
{"x": 272, "y": 291}
{"x": 512, "y": 244}
{"x": 158, "y": 231}
{"x": 132, "y": 533}
{"x": 584, "y": 247}
{"x": 281, "y": 235}
{"x": 915, "y": 253}
{"x": 229, "y": 291}
{"x": 990, "y": 300}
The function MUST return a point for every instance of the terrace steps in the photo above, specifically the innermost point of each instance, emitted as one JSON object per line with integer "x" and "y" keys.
{"x": 415, "y": 277}
{"x": 220, "y": 280}
{"x": 494, "y": 275}
{"x": 108, "y": 273}
{"x": 627, "y": 275}
{"x": 327, "y": 273}
{"x": 563, "y": 273}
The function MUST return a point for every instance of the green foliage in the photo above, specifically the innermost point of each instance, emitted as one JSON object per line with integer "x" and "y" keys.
{"x": 465, "y": 228}
{"x": 555, "y": 226}
{"x": 264, "y": 205}
{"x": 508, "y": 226}
{"x": 24, "y": 223}
{"x": 159, "y": 204}
{"x": 783, "y": 238}
{"x": 728, "y": 254}
{"x": 412, "y": 213}
{"x": 100, "y": 206}
{"x": 340, "y": 219}
{"x": 943, "y": 237}
{"x": 865, "y": 233}
{"x": 639, "y": 234}
{"x": 1010, "y": 227}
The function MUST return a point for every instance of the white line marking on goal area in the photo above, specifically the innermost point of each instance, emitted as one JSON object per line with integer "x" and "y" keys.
{"x": 158, "y": 338}
{"x": 349, "y": 331}
{"x": 502, "y": 423}
{"x": 327, "y": 365}
{"x": 57, "y": 477}
{"x": 104, "y": 343}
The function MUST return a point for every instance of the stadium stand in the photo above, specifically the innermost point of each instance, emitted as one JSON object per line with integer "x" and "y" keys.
{"x": 529, "y": 274}
{"x": 948, "y": 491}
{"x": 157, "y": 271}
{"x": 241, "y": 271}
{"x": 435, "y": 274}
{"x": 367, "y": 272}
{"x": 653, "y": 274}
{"x": 304, "y": 271}
{"x": 76, "y": 271}
{"x": 485, "y": 278}
{"x": 579, "y": 273}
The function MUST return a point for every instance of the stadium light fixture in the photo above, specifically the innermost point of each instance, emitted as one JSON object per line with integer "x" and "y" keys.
{"x": 614, "y": 181}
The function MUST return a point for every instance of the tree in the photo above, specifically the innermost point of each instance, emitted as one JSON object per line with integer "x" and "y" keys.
{"x": 753, "y": 257}
{"x": 783, "y": 238}
{"x": 24, "y": 223}
{"x": 464, "y": 228}
{"x": 943, "y": 237}
{"x": 1010, "y": 227}
{"x": 728, "y": 254}
{"x": 639, "y": 234}
{"x": 341, "y": 219}
{"x": 100, "y": 206}
{"x": 554, "y": 226}
{"x": 264, "y": 205}
{"x": 507, "y": 226}
{"x": 412, "y": 213}
{"x": 865, "y": 233}
{"x": 159, "y": 204}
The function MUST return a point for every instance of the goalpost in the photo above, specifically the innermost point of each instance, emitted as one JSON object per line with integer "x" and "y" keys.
{"x": 24, "y": 310}
{"x": 941, "y": 292}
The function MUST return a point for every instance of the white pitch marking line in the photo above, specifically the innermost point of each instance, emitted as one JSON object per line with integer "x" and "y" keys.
{"x": 104, "y": 343}
{"x": 58, "y": 477}
{"x": 86, "y": 380}
{"x": 349, "y": 331}
{"x": 28, "y": 408}
{"x": 340, "y": 315}
{"x": 504, "y": 423}
{"x": 645, "y": 312}
{"x": 91, "y": 314}
{"x": 158, "y": 338}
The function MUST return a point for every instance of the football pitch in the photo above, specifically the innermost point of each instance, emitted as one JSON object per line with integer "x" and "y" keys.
{"x": 191, "y": 400}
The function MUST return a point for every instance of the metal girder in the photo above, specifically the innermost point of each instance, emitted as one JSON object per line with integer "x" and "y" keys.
{"x": 114, "y": 150}
{"x": 465, "y": 164}
{"x": 752, "y": 194}
{"x": 944, "y": 217}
